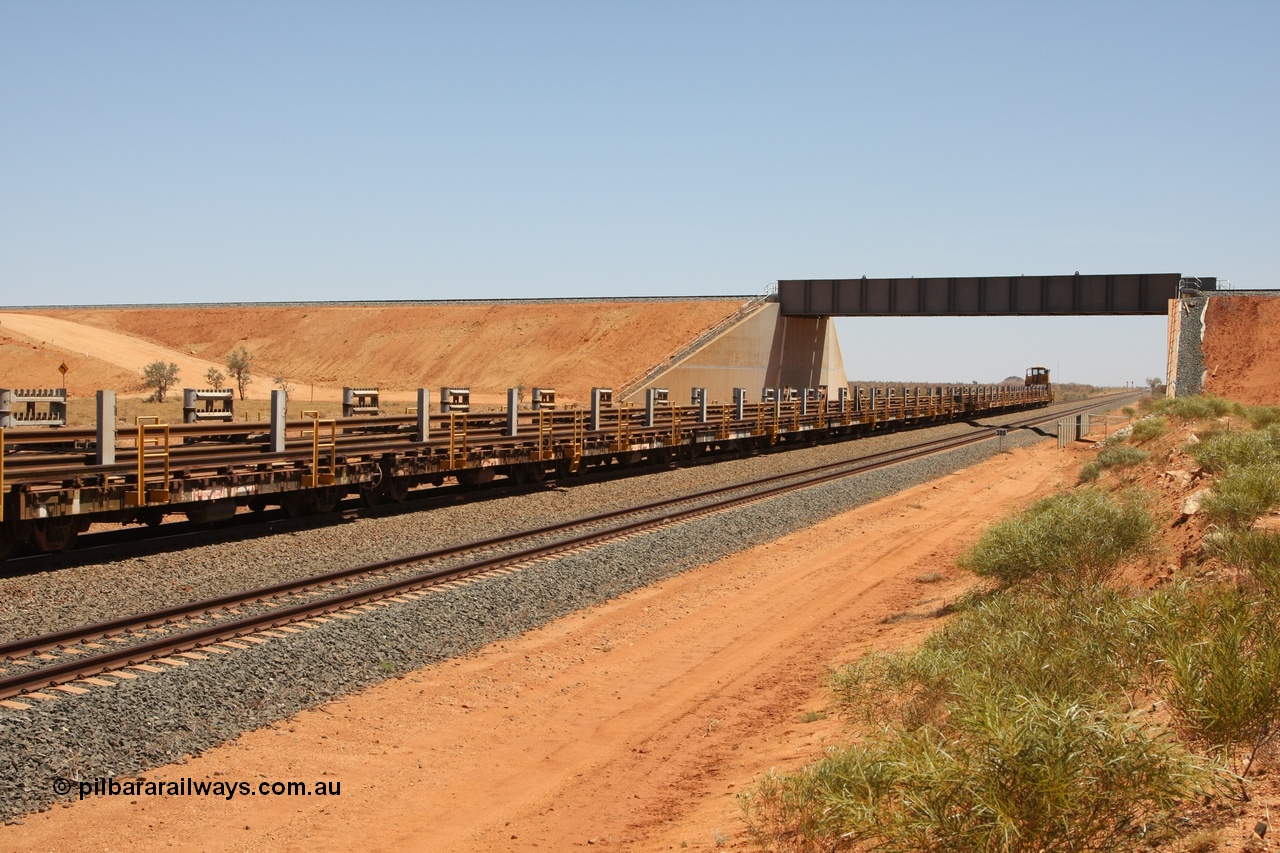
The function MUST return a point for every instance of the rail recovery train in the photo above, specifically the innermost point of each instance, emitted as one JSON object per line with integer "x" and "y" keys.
{"x": 57, "y": 480}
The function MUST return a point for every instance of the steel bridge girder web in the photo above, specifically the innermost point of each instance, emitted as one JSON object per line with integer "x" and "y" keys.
{"x": 1050, "y": 295}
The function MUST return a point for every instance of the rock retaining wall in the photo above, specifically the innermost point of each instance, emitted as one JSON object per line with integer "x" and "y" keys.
{"x": 1226, "y": 344}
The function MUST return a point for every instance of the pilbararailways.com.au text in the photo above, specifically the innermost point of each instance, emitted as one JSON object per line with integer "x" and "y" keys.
{"x": 189, "y": 787}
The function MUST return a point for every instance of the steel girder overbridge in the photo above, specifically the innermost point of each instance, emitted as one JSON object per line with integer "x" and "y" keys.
{"x": 1144, "y": 293}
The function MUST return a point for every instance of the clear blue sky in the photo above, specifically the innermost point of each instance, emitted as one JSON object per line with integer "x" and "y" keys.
{"x": 208, "y": 151}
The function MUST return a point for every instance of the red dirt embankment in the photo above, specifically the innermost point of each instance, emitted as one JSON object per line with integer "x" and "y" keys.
{"x": 26, "y": 362}
{"x": 569, "y": 346}
{"x": 1242, "y": 349}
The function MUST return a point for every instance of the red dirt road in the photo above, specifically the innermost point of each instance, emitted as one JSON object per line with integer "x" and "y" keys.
{"x": 634, "y": 724}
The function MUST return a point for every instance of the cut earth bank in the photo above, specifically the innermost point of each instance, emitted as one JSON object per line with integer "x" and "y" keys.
{"x": 319, "y": 348}
{"x": 633, "y": 724}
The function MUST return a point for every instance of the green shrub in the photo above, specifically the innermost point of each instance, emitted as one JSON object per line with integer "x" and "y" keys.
{"x": 1014, "y": 728}
{"x": 1217, "y": 451}
{"x": 1222, "y": 655}
{"x": 1149, "y": 428}
{"x": 1129, "y": 412}
{"x": 1031, "y": 775}
{"x": 1261, "y": 417}
{"x": 790, "y": 812}
{"x": 1006, "y": 730}
{"x": 1090, "y": 471}
{"x": 1222, "y": 652}
{"x": 1257, "y": 552}
{"x": 1197, "y": 407}
{"x": 1071, "y": 538}
{"x": 1121, "y": 456}
{"x": 1090, "y": 645}
{"x": 1243, "y": 494}
{"x": 891, "y": 688}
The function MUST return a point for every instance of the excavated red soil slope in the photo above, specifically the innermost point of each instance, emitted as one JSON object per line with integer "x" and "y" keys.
{"x": 569, "y": 346}
{"x": 31, "y": 363}
{"x": 1242, "y": 349}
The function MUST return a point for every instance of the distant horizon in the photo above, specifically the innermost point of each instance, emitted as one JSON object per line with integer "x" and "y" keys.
{"x": 531, "y": 300}
{"x": 637, "y": 297}
{"x": 1020, "y": 336}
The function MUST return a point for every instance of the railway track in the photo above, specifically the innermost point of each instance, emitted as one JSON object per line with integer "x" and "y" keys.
{"x": 138, "y": 538}
{"x": 56, "y": 483}
{"x": 133, "y": 541}
{"x": 125, "y": 542}
{"x": 215, "y": 625}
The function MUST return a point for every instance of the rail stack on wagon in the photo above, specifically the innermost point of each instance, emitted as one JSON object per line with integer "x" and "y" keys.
{"x": 58, "y": 480}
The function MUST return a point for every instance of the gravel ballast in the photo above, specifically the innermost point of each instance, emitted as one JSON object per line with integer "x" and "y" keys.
{"x": 40, "y": 603}
{"x": 162, "y": 717}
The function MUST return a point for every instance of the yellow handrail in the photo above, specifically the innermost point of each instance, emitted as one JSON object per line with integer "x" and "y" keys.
{"x": 579, "y": 438}
{"x": 546, "y": 435}
{"x": 454, "y": 447}
{"x": 623, "y": 441}
{"x": 144, "y": 496}
{"x": 327, "y": 476}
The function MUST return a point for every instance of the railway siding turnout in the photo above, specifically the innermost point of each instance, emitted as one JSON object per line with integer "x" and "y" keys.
{"x": 55, "y": 482}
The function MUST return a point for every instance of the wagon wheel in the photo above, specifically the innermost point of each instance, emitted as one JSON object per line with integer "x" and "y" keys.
{"x": 325, "y": 500}
{"x": 51, "y": 535}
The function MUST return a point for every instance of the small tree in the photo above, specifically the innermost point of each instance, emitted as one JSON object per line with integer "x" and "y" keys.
{"x": 215, "y": 378}
{"x": 1155, "y": 385}
{"x": 240, "y": 368}
{"x": 283, "y": 383}
{"x": 160, "y": 377}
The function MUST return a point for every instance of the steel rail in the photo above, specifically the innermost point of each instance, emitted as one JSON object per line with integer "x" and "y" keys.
{"x": 37, "y": 470}
{"x": 130, "y": 655}
{"x": 109, "y": 542}
{"x": 167, "y": 615}
{"x": 441, "y": 494}
{"x": 238, "y": 437}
